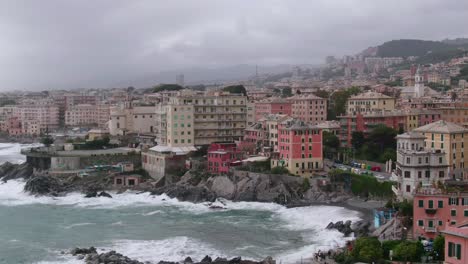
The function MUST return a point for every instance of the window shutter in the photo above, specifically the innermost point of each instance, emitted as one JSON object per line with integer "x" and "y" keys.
{"x": 450, "y": 249}
{"x": 458, "y": 251}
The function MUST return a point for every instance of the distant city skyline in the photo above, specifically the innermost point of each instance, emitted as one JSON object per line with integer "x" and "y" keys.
{"x": 87, "y": 44}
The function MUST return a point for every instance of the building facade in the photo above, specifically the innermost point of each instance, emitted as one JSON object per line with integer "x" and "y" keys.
{"x": 299, "y": 148}
{"x": 309, "y": 108}
{"x": 369, "y": 102}
{"x": 416, "y": 165}
{"x": 451, "y": 139}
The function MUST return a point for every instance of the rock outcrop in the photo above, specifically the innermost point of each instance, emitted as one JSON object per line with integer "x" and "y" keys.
{"x": 10, "y": 171}
{"x": 360, "y": 228}
{"x": 91, "y": 256}
{"x": 43, "y": 185}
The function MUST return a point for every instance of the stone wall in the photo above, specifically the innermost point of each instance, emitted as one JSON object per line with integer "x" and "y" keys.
{"x": 110, "y": 159}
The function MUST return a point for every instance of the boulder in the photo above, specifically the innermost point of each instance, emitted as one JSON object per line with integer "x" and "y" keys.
{"x": 104, "y": 194}
{"x": 188, "y": 260}
{"x": 83, "y": 251}
{"x": 91, "y": 194}
{"x": 42, "y": 185}
{"x": 222, "y": 186}
{"x": 206, "y": 259}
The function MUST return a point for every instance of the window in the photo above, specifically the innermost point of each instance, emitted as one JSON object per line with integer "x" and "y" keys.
{"x": 407, "y": 174}
{"x": 440, "y": 223}
{"x": 431, "y": 204}
{"x": 440, "y": 204}
{"x": 420, "y": 222}
{"x": 453, "y": 201}
{"x": 421, "y": 203}
{"x": 408, "y": 160}
{"x": 453, "y": 212}
{"x": 465, "y": 213}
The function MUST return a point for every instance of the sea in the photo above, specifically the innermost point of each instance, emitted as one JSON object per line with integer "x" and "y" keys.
{"x": 153, "y": 228}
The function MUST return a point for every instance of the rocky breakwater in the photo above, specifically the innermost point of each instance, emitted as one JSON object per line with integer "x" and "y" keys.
{"x": 91, "y": 256}
{"x": 281, "y": 189}
{"x": 360, "y": 228}
{"x": 10, "y": 171}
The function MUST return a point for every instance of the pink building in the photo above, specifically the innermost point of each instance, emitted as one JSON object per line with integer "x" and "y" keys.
{"x": 435, "y": 210}
{"x": 309, "y": 108}
{"x": 299, "y": 148}
{"x": 272, "y": 106}
{"x": 222, "y": 156}
{"x": 456, "y": 244}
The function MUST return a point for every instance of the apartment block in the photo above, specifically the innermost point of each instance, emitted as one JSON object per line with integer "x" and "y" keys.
{"x": 217, "y": 116}
{"x": 417, "y": 165}
{"x": 369, "y": 102}
{"x": 451, "y": 139}
{"x": 264, "y": 134}
{"x": 272, "y": 106}
{"x": 309, "y": 108}
{"x": 87, "y": 115}
{"x": 436, "y": 210}
{"x": 456, "y": 244}
{"x": 300, "y": 148}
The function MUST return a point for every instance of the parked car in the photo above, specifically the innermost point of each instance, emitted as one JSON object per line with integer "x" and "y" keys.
{"x": 376, "y": 168}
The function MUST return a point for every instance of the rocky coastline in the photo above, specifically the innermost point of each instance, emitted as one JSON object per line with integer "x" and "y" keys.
{"x": 91, "y": 256}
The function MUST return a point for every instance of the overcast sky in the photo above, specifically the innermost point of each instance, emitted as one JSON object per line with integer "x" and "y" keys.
{"x": 94, "y": 43}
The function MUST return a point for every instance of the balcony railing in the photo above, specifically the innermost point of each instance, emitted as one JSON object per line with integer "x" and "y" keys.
{"x": 430, "y": 229}
{"x": 431, "y": 211}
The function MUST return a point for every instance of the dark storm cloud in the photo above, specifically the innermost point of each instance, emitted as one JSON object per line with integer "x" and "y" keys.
{"x": 88, "y": 43}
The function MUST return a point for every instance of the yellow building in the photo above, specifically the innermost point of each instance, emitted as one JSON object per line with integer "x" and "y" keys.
{"x": 369, "y": 102}
{"x": 450, "y": 138}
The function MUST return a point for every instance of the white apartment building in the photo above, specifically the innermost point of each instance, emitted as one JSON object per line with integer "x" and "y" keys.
{"x": 417, "y": 165}
{"x": 217, "y": 116}
{"x": 369, "y": 102}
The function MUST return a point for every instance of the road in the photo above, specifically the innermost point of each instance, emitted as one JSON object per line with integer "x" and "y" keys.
{"x": 380, "y": 176}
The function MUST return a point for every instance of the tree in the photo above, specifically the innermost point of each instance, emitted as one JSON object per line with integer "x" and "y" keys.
{"x": 305, "y": 185}
{"x": 279, "y": 170}
{"x": 367, "y": 249}
{"x": 383, "y": 136}
{"x": 322, "y": 93}
{"x": 47, "y": 140}
{"x": 330, "y": 140}
{"x": 340, "y": 98}
{"x": 439, "y": 247}
{"x": 409, "y": 251}
{"x": 167, "y": 87}
{"x": 286, "y": 92}
{"x": 238, "y": 89}
{"x": 357, "y": 139}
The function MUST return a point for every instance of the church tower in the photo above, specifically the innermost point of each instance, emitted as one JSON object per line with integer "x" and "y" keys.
{"x": 418, "y": 83}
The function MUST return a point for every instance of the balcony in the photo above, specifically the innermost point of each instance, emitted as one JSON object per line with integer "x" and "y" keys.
{"x": 431, "y": 211}
{"x": 430, "y": 229}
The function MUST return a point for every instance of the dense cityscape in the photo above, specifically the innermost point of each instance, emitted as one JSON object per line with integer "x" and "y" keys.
{"x": 357, "y": 159}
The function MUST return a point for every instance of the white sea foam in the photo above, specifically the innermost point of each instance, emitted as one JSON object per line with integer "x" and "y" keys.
{"x": 171, "y": 249}
{"x": 152, "y": 213}
{"x": 78, "y": 225}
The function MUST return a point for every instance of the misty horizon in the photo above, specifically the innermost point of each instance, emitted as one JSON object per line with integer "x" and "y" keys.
{"x": 88, "y": 44}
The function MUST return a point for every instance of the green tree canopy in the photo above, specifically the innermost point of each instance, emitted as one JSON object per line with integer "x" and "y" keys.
{"x": 409, "y": 251}
{"x": 367, "y": 249}
{"x": 339, "y": 100}
{"x": 47, "y": 140}
{"x": 286, "y": 92}
{"x": 439, "y": 247}
{"x": 167, "y": 87}
{"x": 330, "y": 140}
{"x": 357, "y": 139}
{"x": 237, "y": 89}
